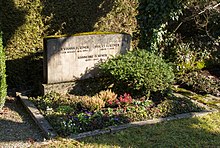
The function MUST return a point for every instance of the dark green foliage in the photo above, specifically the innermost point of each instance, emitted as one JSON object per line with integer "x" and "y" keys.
{"x": 23, "y": 32}
{"x": 3, "y": 85}
{"x": 153, "y": 18}
{"x": 140, "y": 70}
{"x": 23, "y": 36}
{"x": 197, "y": 31}
{"x": 121, "y": 18}
{"x": 73, "y": 16}
{"x": 166, "y": 26}
{"x": 201, "y": 83}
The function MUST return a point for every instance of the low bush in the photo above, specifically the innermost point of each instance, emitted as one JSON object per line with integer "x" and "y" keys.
{"x": 139, "y": 70}
{"x": 123, "y": 101}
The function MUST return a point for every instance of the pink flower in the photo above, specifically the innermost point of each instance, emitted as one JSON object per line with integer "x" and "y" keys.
{"x": 110, "y": 102}
{"x": 125, "y": 99}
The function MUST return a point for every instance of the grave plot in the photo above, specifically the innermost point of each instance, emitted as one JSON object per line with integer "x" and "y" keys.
{"x": 94, "y": 82}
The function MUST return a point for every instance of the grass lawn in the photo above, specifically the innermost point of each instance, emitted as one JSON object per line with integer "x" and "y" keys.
{"x": 193, "y": 132}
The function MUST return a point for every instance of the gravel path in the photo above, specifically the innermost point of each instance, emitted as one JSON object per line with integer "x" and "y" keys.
{"x": 17, "y": 129}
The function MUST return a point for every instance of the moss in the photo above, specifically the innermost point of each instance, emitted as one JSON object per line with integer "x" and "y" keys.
{"x": 80, "y": 34}
{"x": 197, "y": 97}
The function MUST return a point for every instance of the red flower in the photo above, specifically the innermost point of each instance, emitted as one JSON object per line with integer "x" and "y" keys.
{"x": 110, "y": 102}
{"x": 125, "y": 99}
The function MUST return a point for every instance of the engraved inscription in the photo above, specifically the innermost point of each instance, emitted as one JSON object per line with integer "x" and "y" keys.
{"x": 83, "y": 49}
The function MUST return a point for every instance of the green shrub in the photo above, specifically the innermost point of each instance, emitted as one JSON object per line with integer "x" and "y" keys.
{"x": 188, "y": 58}
{"x": 23, "y": 32}
{"x": 3, "y": 85}
{"x": 164, "y": 25}
{"x": 140, "y": 70}
{"x": 121, "y": 18}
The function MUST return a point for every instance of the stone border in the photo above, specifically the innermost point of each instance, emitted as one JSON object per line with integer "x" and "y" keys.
{"x": 50, "y": 133}
{"x": 39, "y": 119}
{"x": 113, "y": 129}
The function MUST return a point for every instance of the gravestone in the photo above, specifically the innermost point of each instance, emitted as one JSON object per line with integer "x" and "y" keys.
{"x": 68, "y": 58}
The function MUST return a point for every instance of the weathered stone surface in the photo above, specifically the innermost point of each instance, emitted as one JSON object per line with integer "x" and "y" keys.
{"x": 61, "y": 88}
{"x": 37, "y": 116}
{"x": 73, "y": 57}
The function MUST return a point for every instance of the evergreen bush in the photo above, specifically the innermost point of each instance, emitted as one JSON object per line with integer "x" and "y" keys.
{"x": 3, "y": 86}
{"x": 140, "y": 70}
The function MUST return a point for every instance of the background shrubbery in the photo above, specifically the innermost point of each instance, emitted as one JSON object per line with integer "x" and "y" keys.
{"x": 184, "y": 33}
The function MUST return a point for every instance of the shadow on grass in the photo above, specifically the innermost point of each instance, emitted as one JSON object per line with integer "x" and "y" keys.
{"x": 193, "y": 132}
{"x": 16, "y": 124}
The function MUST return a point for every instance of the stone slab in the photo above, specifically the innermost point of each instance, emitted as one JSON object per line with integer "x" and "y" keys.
{"x": 75, "y": 57}
{"x": 39, "y": 119}
{"x": 61, "y": 88}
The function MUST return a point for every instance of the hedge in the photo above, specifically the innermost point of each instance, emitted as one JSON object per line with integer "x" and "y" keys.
{"x": 3, "y": 86}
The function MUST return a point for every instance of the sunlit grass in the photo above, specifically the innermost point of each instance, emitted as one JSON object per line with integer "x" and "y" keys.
{"x": 192, "y": 132}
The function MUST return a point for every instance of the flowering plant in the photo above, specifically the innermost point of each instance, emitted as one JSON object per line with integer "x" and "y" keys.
{"x": 122, "y": 101}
